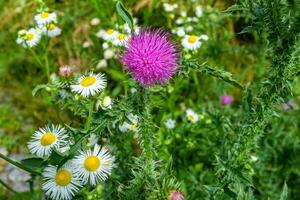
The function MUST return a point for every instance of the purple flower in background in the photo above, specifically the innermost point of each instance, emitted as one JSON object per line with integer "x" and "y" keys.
{"x": 226, "y": 99}
{"x": 150, "y": 57}
{"x": 176, "y": 196}
{"x": 291, "y": 104}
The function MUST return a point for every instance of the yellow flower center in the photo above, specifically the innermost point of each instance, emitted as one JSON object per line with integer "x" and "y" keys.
{"x": 191, "y": 117}
{"x": 88, "y": 81}
{"x": 44, "y": 15}
{"x": 47, "y": 139}
{"x": 63, "y": 177}
{"x": 133, "y": 126}
{"x": 110, "y": 31}
{"x": 29, "y": 36}
{"x": 121, "y": 36}
{"x": 92, "y": 163}
{"x": 50, "y": 26}
{"x": 192, "y": 39}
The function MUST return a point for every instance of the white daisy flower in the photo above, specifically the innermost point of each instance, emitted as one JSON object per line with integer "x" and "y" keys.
{"x": 62, "y": 183}
{"x": 46, "y": 139}
{"x": 179, "y": 21}
{"x": 110, "y": 34}
{"x": 51, "y": 30}
{"x": 93, "y": 165}
{"x": 132, "y": 126}
{"x": 192, "y": 116}
{"x": 45, "y": 17}
{"x": 120, "y": 40}
{"x": 191, "y": 42}
{"x": 170, "y": 123}
{"x": 89, "y": 85}
{"x": 189, "y": 28}
{"x": 29, "y": 38}
{"x": 124, "y": 127}
{"x": 86, "y": 44}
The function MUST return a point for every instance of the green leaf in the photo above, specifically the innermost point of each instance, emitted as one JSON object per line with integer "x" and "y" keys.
{"x": 33, "y": 162}
{"x": 284, "y": 192}
{"x": 37, "y": 88}
{"x": 124, "y": 14}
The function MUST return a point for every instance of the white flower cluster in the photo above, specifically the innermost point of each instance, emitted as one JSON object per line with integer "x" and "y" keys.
{"x": 90, "y": 166}
{"x": 46, "y": 25}
{"x": 114, "y": 38}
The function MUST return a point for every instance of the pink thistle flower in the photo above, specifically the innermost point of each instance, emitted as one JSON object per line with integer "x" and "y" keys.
{"x": 226, "y": 100}
{"x": 176, "y": 196}
{"x": 150, "y": 57}
{"x": 65, "y": 71}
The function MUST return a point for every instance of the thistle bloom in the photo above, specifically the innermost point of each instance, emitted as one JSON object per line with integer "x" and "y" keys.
{"x": 226, "y": 100}
{"x": 150, "y": 57}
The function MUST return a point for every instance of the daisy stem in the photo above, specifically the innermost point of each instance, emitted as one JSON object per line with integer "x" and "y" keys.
{"x": 90, "y": 116}
{"x": 7, "y": 186}
{"x": 19, "y": 165}
{"x": 46, "y": 59}
{"x": 36, "y": 57}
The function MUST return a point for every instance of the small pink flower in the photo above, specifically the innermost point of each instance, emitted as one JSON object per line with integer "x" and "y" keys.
{"x": 150, "y": 57}
{"x": 65, "y": 71}
{"x": 226, "y": 100}
{"x": 176, "y": 196}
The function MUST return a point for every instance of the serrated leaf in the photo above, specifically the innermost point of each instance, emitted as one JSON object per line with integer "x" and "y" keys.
{"x": 124, "y": 14}
{"x": 33, "y": 162}
{"x": 37, "y": 88}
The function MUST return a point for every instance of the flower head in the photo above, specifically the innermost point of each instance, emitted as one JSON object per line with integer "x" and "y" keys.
{"x": 192, "y": 116}
{"x": 89, "y": 85}
{"x": 65, "y": 71}
{"x": 191, "y": 42}
{"x": 29, "y": 38}
{"x": 176, "y": 196}
{"x": 226, "y": 100}
{"x": 93, "y": 165}
{"x": 150, "y": 57}
{"x": 45, "y": 17}
{"x": 51, "y": 29}
{"x": 60, "y": 183}
{"x": 170, "y": 123}
{"x": 46, "y": 139}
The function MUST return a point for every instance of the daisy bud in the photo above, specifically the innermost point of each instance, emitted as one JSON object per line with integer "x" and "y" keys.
{"x": 65, "y": 71}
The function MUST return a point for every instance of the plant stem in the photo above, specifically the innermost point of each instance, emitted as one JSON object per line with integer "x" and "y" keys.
{"x": 36, "y": 57}
{"x": 19, "y": 165}
{"x": 146, "y": 134}
{"x": 47, "y": 66}
{"x": 7, "y": 186}
{"x": 90, "y": 116}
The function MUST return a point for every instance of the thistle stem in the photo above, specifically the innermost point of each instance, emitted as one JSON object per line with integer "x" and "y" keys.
{"x": 19, "y": 165}
{"x": 147, "y": 136}
{"x": 90, "y": 116}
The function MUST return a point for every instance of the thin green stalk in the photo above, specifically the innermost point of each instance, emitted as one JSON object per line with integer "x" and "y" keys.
{"x": 7, "y": 186}
{"x": 36, "y": 57}
{"x": 47, "y": 67}
{"x": 90, "y": 116}
{"x": 19, "y": 165}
